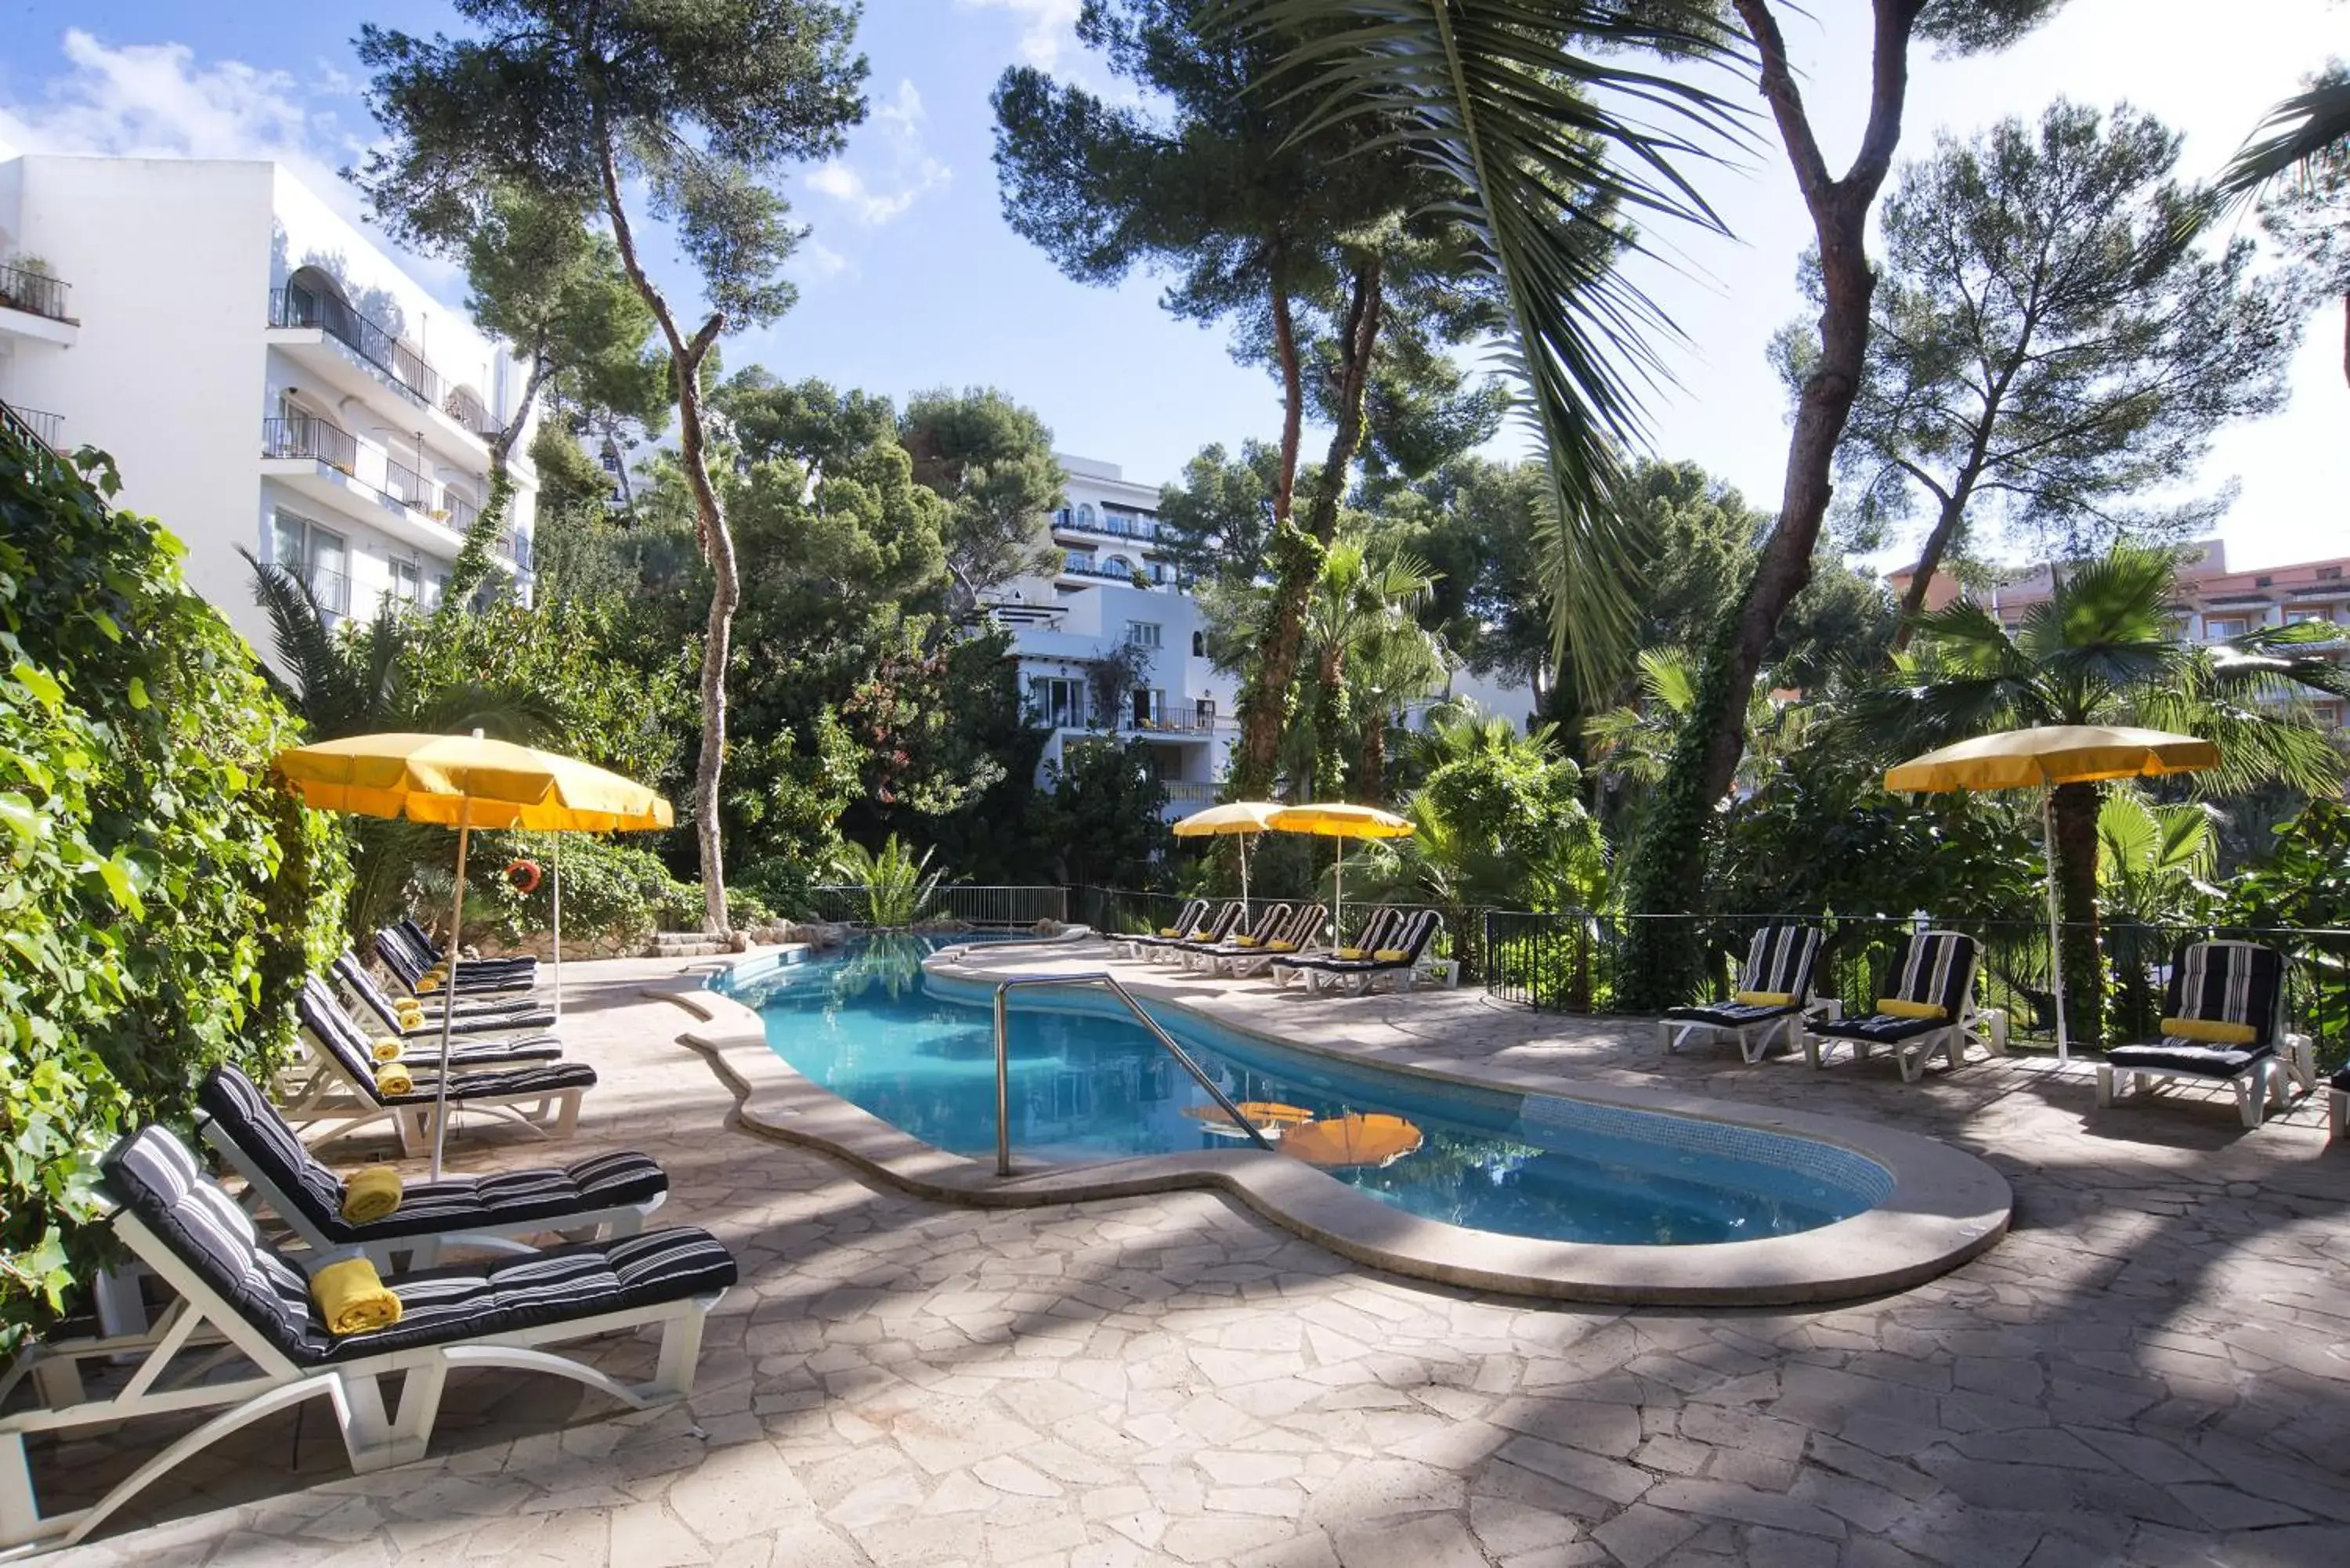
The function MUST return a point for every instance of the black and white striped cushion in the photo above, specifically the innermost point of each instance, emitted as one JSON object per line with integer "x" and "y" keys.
{"x": 452, "y": 1203}
{"x": 2220, "y": 982}
{"x": 152, "y": 1174}
{"x": 1406, "y": 934}
{"x": 480, "y": 1019}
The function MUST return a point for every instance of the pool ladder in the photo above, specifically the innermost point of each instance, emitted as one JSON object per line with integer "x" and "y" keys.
{"x": 1003, "y": 987}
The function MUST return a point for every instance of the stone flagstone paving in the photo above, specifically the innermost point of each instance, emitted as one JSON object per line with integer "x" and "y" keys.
{"x": 2153, "y": 1368}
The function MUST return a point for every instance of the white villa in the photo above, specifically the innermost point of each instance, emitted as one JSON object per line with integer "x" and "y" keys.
{"x": 262, "y": 373}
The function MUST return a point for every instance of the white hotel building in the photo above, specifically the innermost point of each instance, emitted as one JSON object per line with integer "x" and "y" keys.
{"x": 1115, "y": 589}
{"x": 263, "y": 374}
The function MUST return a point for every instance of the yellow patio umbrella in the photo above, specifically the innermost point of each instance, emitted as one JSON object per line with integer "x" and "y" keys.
{"x": 1339, "y": 820}
{"x": 467, "y": 782}
{"x": 1243, "y": 819}
{"x": 1374, "y": 1139}
{"x": 2047, "y": 756}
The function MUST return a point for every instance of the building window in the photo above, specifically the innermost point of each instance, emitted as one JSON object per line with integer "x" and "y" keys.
{"x": 1078, "y": 561}
{"x": 1150, "y": 707}
{"x": 2221, "y": 629}
{"x": 1142, "y": 634}
{"x": 2294, "y": 617}
{"x": 320, "y": 558}
{"x": 2263, "y": 582}
{"x": 1085, "y": 516}
{"x": 2329, "y": 574}
{"x": 1199, "y": 645}
{"x": 1058, "y": 702}
{"x": 1206, "y": 708}
{"x": 407, "y": 581}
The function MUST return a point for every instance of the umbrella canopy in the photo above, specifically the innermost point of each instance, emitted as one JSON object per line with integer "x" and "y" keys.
{"x": 2053, "y": 755}
{"x": 1334, "y": 1142}
{"x": 1337, "y": 819}
{"x": 466, "y": 781}
{"x": 469, "y": 781}
{"x": 2045, "y": 756}
{"x": 1234, "y": 818}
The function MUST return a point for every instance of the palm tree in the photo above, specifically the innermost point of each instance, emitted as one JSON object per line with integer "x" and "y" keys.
{"x": 1636, "y": 741}
{"x": 2308, "y": 129}
{"x": 2104, "y": 649}
{"x": 354, "y": 681}
{"x": 1370, "y": 656}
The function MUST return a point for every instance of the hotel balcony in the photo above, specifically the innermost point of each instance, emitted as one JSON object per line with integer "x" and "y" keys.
{"x": 33, "y": 304}
{"x": 1105, "y": 526}
{"x": 47, "y": 428}
{"x": 336, "y": 347}
{"x": 325, "y": 464}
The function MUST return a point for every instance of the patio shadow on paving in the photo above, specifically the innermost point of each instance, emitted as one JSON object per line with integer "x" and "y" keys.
{"x": 2154, "y": 1366}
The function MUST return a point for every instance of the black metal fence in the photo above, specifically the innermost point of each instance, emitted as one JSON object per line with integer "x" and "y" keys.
{"x": 21, "y": 288}
{"x": 307, "y": 435}
{"x": 1116, "y": 909}
{"x": 369, "y": 340}
{"x": 972, "y": 904}
{"x": 1575, "y": 963}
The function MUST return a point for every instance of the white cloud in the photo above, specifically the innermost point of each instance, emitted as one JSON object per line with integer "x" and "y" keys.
{"x": 907, "y": 174}
{"x": 1052, "y": 25}
{"x": 818, "y": 261}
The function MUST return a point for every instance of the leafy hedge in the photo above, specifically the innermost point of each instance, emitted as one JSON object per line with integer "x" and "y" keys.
{"x": 162, "y": 893}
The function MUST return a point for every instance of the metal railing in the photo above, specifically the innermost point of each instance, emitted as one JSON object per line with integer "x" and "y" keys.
{"x": 1109, "y": 983}
{"x": 462, "y": 511}
{"x": 369, "y": 340}
{"x": 1179, "y": 717}
{"x": 514, "y": 545}
{"x": 47, "y": 428}
{"x": 405, "y": 485}
{"x": 1188, "y": 792}
{"x": 470, "y": 411}
{"x": 1109, "y": 528}
{"x": 1577, "y": 962}
{"x": 1004, "y": 906}
{"x": 15, "y": 427}
{"x": 307, "y": 435}
{"x": 34, "y": 292}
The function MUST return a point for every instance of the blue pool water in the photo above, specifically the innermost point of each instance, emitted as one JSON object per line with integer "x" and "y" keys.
{"x": 1089, "y": 1086}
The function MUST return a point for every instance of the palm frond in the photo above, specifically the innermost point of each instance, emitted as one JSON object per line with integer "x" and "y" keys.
{"x": 1965, "y": 634}
{"x": 2300, "y": 132}
{"x": 1547, "y": 142}
{"x": 304, "y": 642}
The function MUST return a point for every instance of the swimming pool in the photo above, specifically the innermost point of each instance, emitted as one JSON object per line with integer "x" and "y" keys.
{"x": 1086, "y": 1086}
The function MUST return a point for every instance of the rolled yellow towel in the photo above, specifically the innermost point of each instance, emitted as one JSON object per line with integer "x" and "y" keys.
{"x": 1763, "y": 998}
{"x": 1350, "y": 952}
{"x": 428, "y": 982}
{"x": 394, "y": 1078}
{"x": 1243, "y": 941}
{"x": 1392, "y": 955}
{"x": 1899, "y": 1007}
{"x": 386, "y": 1049}
{"x": 371, "y": 1194}
{"x": 1169, "y": 931}
{"x": 2216, "y": 1032}
{"x": 1281, "y": 947}
{"x": 411, "y": 1014}
{"x": 352, "y": 1297}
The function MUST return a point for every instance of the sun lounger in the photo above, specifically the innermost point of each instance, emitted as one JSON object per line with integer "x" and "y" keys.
{"x": 1924, "y": 1005}
{"x": 1191, "y": 917}
{"x": 2222, "y": 1023}
{"x": 2337, "y": 1106}
{"x": 1383, "y": 923}
{"x": 240, "y": 1300}
{"x": 1262, "y": 926}
{"x": 421, "y": 1048}
{"x": 608, "y": 1195}
{"x": 1404, "y": 946}
{"x": 410, "y": 962}
{"x": 1214, "y": 929}
{"x": 365, "y": 990}
{"x": 333, "y": 1091}
{"x": 423, "y": 941}
{"x": 1780, "y": 963}
{"x": 1297, "y": 935}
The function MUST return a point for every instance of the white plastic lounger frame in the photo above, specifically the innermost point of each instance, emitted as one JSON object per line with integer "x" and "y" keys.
{"x": 319, "y": 1095}
{"x": 1779, "y": 959}
{"x": 1913, "y": 1052}
{"x": 2263, "y": 1083}
{"x": 423, "y": 1249}
{"x": 1136, "y": 944}
{"x": 1302, "y": 930}
{"x": 374, "y": 1438}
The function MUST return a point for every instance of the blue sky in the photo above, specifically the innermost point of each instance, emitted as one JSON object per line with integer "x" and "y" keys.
{"x": 911, "y": 279}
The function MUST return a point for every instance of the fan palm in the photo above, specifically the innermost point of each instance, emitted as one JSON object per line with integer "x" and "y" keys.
{"x": 354, "y": 681}
{"x": 2104, "y": 649}
{"x": 1635, "y": 742}
{"x": 2307, "y": 129}
{"x": 1554, "y": 140}
{"x": 1370, "y": 654}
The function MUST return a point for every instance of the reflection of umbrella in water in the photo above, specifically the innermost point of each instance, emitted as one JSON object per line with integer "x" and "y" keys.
{"x": 1374, "y": 1139}
{"x": 1268, "y": 1116}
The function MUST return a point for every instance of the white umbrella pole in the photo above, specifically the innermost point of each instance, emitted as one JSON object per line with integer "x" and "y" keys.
{"x": 449, "y": 989}
{"x": 559, "y": 928}
{"x": 1244, "y": 897}
{"x": 1338, "y": 892}
{"x": 2056, "y": 921}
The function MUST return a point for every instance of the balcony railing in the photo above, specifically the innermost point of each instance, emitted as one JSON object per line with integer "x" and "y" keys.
{"x": 371, "y": 340}
{"x": 1078, "y": 567}
{"x": 1109, "y": 526}
{"x": 35, "y": 293}
{"x": 514, "y": 545}
{"x": 48, "y": 428}
{"x": 1182, "y": 718}
{"x": 1186, "y": 792}
{"x": 307, "y": 435}
{"x": 471, "y": 414}
{"x": 407, "y": 487}
{"x": 461, "y": 511}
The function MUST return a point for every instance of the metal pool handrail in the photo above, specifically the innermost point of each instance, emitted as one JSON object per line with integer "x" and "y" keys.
{"x": 1003, "y": 1057}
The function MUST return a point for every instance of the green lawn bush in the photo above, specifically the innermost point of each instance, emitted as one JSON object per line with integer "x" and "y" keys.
{"x": 163, "y": 893}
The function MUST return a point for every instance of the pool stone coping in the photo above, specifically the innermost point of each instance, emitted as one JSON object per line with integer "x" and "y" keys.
{"x": 1945, "y": 1206}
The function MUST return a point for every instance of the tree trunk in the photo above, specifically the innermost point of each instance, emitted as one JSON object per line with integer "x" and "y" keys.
{"x": 1375, "y": 756}
{"x": 1929, "y": 561}
{"x": 1265, "y": 703}
{"x": 717, "y": 542}
{"x": 2076, "y": 901}
{"x": 1669, "y": 857}
{"x": 472, "y": 567}
{"x": 1293, "y": 403}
